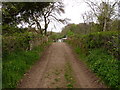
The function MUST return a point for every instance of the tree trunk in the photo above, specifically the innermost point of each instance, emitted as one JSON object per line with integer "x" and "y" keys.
{"x": 105, "y": 25}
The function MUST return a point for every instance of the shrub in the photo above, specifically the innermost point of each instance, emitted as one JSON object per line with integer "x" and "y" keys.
{"x": 107, "y": 40}
{"x": 20, "y": 41}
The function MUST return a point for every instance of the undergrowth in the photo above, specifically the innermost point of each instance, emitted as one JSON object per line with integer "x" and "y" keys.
{"x": 100, "y": 50}
{"x": 104, "y": 65}
{"x": 17, "y": 63}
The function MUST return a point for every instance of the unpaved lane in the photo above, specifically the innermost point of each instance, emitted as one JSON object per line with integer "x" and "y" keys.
{"x": 84, "y": 77}
{"x": 49, "y": 72}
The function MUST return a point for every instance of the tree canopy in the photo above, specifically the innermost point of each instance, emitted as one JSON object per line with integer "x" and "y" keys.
{"x": 32, "y": 13}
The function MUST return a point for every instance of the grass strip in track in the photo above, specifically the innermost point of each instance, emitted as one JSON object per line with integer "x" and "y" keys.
{"x": 69, "y": 76}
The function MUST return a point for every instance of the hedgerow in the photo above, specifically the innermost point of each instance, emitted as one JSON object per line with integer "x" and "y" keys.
{"x": 100, "y": 51}
{"x": 107, "y": 40}
{"x": 19, "y": 52}
{"x": 20, "y": 41}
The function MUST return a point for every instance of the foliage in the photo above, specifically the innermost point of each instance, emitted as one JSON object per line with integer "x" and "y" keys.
{"x": 107, "y": 40}
{"x": 81, "y": 28}
{"x": 17, "y": 41}
{"x": 55, "y": 36}
{"x": 32, "y": 13}
{"x": 17, "y": 63}
{"x": 10, "y": 10}
{"x": 100, "y": 51}
{"x": 70, "y": 33}
{"x": 14, "y": 13}
{"x": 21, "y": 41}
{"x": 103, "y": 13}
{"x": 17, "y": 53}
{"x": 103, "y": 64}
{"x": 10, "y": 30}
{"x": 115, "y": 25}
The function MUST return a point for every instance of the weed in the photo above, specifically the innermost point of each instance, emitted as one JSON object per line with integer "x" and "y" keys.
{"x": 68, "y": 75}
{"x": 17, "y": 63}
{"x": 104, "y": 65}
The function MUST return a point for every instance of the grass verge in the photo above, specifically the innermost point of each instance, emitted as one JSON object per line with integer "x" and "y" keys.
{"x": 17, "y": 63}
{"x": 104, "y": 65}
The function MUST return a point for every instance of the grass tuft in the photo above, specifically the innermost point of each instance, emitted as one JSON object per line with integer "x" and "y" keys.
{"x": 68, "y": 76}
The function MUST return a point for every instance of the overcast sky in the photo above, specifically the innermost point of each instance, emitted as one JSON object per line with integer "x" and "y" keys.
{"x": 73, "y": 10}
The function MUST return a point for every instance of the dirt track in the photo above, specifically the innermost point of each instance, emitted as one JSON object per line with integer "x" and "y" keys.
{"x": 49, "y": 72}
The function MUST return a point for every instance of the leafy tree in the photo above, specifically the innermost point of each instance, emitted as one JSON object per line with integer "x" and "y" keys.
{"x": 115, "y": 25}
{"x": 51, "y": 14}
{"x": 82, "y": 28}
{"x": 32, "y": 13}
{"x": 17, "y": 12}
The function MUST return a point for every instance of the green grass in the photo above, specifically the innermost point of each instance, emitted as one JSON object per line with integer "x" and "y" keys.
{"x": 100, "y": 52}
{"x": 17, "y": 63}
{"x": 104, "y": 65}
{"x": 78, "y": 50}
{"x": 69, "y": 76}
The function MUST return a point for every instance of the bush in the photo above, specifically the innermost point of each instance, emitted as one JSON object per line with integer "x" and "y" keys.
{"x": 107, "y": 40}
{"x": 11, "y": 29}
{"x": 16, "y": 41}
{"x": 20, "y": 41}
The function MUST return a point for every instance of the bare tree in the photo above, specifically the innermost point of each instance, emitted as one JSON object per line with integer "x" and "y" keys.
{"x": 88, "y": 17}
{"x": 103, "y": 11}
